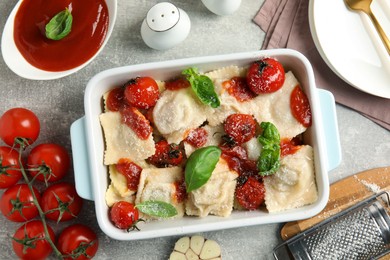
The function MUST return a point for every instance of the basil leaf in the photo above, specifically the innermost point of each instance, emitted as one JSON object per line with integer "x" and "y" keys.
{"x": 270, "y": 132}
{"x": 269, "y": 159}
{"x": 203, "y": 87}
{"x": 269, "y": 162}
{"x": 200, "y": 166}
{"x": 156, "y": 208}
{"x": 59, "y": 26}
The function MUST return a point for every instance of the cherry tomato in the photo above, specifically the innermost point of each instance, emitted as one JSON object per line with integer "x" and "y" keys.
{"x": 9, "y": 165}
{"x": 238, "y": 88}
{"x": 265, "y": 76}
{"x": 142, "y": 92}
{"x": 115, "y": 99}
{"x": 131, "y": 171}
{"x": 78, "y": 241}
{"x": 51, "y": 160}
{"x": 19, "y": 123}
{"x": 177, "y": 83}
{"x": 251, "y": 194}
{"x": 132, "y": 117}
{"x": 124, "y": 215}
{"x": 240, "y": 127}
{"x": 30, "y": 242}
{"x": 197, "y": 137}
{"x": 300, "y": 106}
{"x": 60, "y": 202}
{"x": 166, "y": 155}
{"x": 17, "y": 203}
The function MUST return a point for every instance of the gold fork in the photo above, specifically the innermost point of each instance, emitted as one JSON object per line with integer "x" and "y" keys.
{"x": 364, "y": 6}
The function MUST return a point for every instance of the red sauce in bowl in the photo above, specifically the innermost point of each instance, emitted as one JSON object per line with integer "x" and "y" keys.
{"x": 89, "y": 29}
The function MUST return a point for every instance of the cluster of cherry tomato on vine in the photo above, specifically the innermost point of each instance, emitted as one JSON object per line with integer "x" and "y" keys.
{"x": 22, "y": 202}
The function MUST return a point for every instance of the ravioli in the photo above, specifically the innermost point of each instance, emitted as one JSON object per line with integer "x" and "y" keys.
{"x": 160, "y": 184}
{"x": 176, "y": 112}
{"x": 293, "y": 185}
{"x": 216, "y": 197}
{"x": 122, "y": 141}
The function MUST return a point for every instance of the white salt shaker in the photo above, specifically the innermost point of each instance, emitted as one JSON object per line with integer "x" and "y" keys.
{"x": 222, "y": 7}
{"x": 165, "y": 26}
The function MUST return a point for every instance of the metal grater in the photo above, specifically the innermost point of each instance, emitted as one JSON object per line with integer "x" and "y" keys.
{"x": 360, "y": 232}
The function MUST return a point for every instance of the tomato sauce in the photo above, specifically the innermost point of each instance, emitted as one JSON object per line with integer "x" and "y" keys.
{"x": 133, "y": 118}
{"x": 238, "y": 88}
{"x": 89, "y": 29}
{"x": 131, "y": 171}
{"x": 288, "y": 147}
{"x": 180, "y": 194}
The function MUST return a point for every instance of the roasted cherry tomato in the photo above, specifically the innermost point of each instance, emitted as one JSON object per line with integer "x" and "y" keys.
{"x": 142, "y": 92}
{"x": 78, "y": 242}
{"x": 265, "y": 76}
{"x": 197, "y": 137}
{"x": 124, "y": 215}
{"x": 166, "y": 155}
{"x": 300, "y": 106}
{"x": 29, "y": 242}
{"x": 132, "y": 117}
{"x": 240, "y": 127}
{"x": 19, "y": 123}
{"x": 131, "y": 171}
{"x": 48, "y": 162}
{"x": 17, "y": 203}
{"x": 251, "y": 194}
{"x": 115, "y": 99}
{"x": 60, "y": 202}
{"x": 9, "y": 167}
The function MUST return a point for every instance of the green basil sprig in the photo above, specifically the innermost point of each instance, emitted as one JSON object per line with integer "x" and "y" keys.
{"x": 200, "y": 166}
{"x": 269, "y": 160}
{"x": 156, "y": 208}
{"x": 59, "y": 26}
{"x": 203, "y": 87}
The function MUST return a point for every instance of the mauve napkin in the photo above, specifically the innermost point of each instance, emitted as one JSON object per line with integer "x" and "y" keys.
{"x": 286, "y": 25}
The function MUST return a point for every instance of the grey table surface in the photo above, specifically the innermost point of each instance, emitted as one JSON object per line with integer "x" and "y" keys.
{"x": 58, "y": 103}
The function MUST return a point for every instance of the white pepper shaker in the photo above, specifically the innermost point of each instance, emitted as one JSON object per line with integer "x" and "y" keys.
{"x": 222, "y": 7}
{"x": 165, "y": 26}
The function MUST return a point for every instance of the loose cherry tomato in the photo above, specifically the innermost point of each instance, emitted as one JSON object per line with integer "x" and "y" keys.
{"x": 265, "y": 76}
{"x": 29, "y": 242}
{"x": 10, "y": 172}
{"x": 78, "y": 242}
{"x": 131, "y": 171}
{"x": 240, "y": 127}
{"x": 300, "y": 106}
{"x": 17, "y": 203}
{"x": 60, "y": 202}
{"x": 166, "y": 155}
{"x": 177, "y": 83}
{"x": 132, "y": 117}
{"x": 142, "y": 92}
{"x": 124, "y": 215}
{"x": 197, "y": 137}
{"x": 51, "y": 162}
{"x": 251, "y": 194}
{"x": 19, "y": 123}
{"x": 238, "y": 88}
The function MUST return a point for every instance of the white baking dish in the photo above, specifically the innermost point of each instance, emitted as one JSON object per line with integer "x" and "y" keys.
{"x": 91, "y": 174}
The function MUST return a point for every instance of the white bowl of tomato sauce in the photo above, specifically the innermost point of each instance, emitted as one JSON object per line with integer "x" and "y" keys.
{"x": 88, "y": 144}
{"x": 30, "y": 54}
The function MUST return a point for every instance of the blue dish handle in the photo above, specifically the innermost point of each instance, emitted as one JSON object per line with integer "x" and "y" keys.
{"x": 329, "y": 119}
{"x": 80, "y": 156}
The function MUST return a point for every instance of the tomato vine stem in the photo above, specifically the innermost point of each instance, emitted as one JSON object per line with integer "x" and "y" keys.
{"x": 35, "y": 201}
